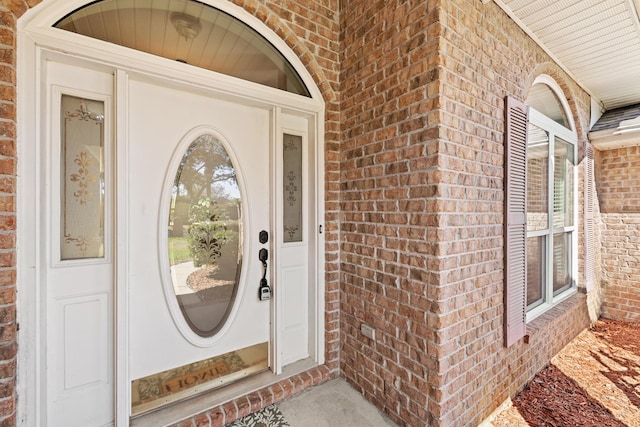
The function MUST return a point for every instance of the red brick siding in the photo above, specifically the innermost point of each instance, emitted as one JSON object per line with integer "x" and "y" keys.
{"x": 621, "y": 266}
{"x": 619, "y": 180}
{"x": 389, "y": 200}
{"x": 9, "y": 11}
{"x": 619, "y": 197}
{"x": 310, "y": 28}
{"x": 423, "y": 85}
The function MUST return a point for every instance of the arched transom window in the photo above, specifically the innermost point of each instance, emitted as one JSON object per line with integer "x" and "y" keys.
{"x": 190, "y": 32}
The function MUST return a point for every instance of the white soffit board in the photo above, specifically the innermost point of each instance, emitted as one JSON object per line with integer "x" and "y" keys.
{"x": 596, "y": 41}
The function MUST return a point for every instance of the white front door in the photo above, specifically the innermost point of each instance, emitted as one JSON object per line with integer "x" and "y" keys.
{"x": 197, "y": 173}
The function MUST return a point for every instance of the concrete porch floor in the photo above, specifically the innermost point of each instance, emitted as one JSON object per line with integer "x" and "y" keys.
{"x": 332, "y": 404}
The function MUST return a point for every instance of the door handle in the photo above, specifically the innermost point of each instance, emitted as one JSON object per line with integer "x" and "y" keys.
{"x": 263, "y": 256}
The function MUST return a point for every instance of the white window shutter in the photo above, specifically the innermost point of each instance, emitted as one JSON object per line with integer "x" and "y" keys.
{"x": 516, "y": 118}
{"x": 589, "y": 222}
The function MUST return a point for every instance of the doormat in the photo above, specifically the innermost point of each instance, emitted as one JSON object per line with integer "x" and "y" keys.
{"x": 180, "y": 379}
{"x": 266, "y": 417}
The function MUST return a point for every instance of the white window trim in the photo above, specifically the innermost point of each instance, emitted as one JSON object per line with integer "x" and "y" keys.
{"x": 556, "y": 130}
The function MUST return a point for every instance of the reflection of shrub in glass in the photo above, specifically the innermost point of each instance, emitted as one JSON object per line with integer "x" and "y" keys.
{"x": 207, "y": 233}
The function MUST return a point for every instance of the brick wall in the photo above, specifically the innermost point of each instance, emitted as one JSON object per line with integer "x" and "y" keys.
{"x": 619, "y": 180}
{"x": 423, "y": 86}
{"x": 619, "y": 196}
{"x": 390, "y": 111}
{"x": 310, "y": 28}
{"x": 8, "y": 345}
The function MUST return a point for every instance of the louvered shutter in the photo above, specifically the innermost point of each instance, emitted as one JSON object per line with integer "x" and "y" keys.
{"x": 589, "y": 194}
{"x": 516, "y": 118}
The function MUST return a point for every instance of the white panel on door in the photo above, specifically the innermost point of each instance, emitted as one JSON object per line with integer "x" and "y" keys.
{"x": 293, "y": 290}
{"x": 86, "y": 340}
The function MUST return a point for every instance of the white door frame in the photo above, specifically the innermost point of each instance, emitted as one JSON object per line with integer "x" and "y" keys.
{"x": 36, "y": 39}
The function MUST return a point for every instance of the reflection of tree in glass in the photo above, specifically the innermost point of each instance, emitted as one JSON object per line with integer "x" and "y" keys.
{"x": 205, "y": 172}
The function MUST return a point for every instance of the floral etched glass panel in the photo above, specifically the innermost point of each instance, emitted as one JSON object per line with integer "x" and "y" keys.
{"x": 205, "y": 235}
{"x": 82, "y": 178}
{"x": 292, "y": 209}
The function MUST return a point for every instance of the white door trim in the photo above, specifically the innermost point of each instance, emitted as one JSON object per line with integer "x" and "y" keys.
{"x": 121, "y": 291}
{"x": 35, "y": 40}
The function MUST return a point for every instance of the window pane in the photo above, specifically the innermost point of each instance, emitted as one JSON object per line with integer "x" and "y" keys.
{"x": 543, "y": 99}
{"x": 537, "y": 179}
{"x": 535, "y": 270}
{"x": 292, "y": 187}
{"x": 561, "y": 262}
{"x": 563, "y": 184}
{"x": 82, "y": 163}
{"x": 205, "y": 235}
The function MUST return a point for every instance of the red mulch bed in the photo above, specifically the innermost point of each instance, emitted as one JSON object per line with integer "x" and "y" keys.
{"x": 593, "y": 381}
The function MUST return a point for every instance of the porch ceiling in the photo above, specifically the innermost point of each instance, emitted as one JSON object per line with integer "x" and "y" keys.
{"x": 596, "y": 41}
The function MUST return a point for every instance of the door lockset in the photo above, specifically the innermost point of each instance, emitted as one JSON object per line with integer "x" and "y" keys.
{"x": 264, "y": 291}
{"x": 263, "y": 256}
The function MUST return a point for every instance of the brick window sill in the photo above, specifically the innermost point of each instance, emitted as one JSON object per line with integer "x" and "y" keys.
{"x": 554, "y": 316}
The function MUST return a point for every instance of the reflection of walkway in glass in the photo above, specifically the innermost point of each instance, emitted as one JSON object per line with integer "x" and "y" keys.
{"x": 179, "y": 274}
{"x": 204, "y": 298}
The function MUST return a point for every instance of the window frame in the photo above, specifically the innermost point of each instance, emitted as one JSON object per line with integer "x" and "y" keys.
{"x": 569, "y": 136}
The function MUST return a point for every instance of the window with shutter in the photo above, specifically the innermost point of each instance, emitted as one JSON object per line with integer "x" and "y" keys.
{"x": 516, "y": 117}
{"x": 540, "y": 214}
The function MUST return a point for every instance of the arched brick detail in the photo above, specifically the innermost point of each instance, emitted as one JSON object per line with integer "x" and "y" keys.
{"x": 296, "y": 40}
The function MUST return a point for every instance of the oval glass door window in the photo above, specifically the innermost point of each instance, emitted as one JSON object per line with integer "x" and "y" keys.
{"x": 205, "y": 235}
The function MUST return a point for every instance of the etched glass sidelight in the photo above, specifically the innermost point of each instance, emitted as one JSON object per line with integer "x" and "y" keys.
{"x": 82, "y": 178}
{"x": 292, "y": 187}
{"x": 205, "y": 235}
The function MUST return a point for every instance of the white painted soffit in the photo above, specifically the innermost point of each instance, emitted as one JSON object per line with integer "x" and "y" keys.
{"x": 597, "y": 42}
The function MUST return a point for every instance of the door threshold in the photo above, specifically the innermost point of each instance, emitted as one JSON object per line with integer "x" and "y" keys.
{"x": 175, "y": 385}
{"x": 212, "y": 398}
